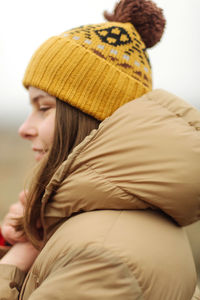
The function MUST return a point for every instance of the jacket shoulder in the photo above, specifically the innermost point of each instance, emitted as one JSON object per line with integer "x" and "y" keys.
{"x": 104, "y": 242}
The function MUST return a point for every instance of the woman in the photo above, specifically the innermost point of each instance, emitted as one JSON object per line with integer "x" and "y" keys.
{"x": 103, "y": 216}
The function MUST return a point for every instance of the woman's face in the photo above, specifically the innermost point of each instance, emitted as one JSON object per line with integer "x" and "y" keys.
{"x": 38, "y": 128}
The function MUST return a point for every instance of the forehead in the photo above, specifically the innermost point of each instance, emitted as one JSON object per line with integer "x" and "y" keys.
{"x": 35, "y": 93}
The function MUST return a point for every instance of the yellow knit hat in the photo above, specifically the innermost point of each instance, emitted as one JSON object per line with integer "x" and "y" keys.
{"x": 95, "y": 68}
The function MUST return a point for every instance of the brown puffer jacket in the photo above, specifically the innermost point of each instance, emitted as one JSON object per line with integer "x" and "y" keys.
{"x": 114, "y": 222}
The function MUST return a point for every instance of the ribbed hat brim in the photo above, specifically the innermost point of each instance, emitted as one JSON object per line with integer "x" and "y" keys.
{"x": 79, "y": 77}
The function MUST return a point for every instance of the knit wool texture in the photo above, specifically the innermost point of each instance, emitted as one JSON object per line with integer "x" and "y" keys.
{"x": 95, "y": 68}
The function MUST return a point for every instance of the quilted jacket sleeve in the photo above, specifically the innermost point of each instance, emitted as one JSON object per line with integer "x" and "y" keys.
{"x": 89, "y": 277}
{"x": 11, "y": 279}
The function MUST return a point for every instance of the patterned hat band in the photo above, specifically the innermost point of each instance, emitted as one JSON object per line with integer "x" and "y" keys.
{"x": 95, "y": 68}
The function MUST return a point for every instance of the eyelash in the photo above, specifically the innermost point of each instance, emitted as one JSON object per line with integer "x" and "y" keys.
{"x": 43, "y": 109}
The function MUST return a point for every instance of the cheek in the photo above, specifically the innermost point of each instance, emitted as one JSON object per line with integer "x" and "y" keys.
{"x": 47, "y": 130}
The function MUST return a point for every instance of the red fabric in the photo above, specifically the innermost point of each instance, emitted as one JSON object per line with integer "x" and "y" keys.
{"x": 2, "y": 241}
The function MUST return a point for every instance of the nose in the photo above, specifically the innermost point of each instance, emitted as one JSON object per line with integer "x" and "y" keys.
{"x": 27, "y": 130}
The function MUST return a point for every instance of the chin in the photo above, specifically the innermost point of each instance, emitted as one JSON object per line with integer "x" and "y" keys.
{"x": 39, "y": 156}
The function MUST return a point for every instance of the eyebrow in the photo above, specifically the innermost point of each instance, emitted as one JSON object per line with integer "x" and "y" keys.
{"x": 35, "y": 99}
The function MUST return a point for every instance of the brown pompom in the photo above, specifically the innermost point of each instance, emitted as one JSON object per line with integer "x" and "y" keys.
{"x": 147, "y": 18}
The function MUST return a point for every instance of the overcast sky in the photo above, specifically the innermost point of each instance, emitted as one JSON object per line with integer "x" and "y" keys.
{"x": 25, "y": 24}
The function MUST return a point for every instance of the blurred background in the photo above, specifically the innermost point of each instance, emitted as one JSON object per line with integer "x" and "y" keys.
{"x": 25, "y": 24}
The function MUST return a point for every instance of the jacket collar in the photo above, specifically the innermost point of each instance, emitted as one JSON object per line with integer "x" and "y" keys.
{"x": 145, "y": 156}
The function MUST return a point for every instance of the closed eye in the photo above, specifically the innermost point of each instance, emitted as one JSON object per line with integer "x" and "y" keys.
{"x": 44, "y": 108}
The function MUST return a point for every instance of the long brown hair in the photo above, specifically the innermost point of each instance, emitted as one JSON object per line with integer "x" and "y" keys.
{"x": 71, "y": 127}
